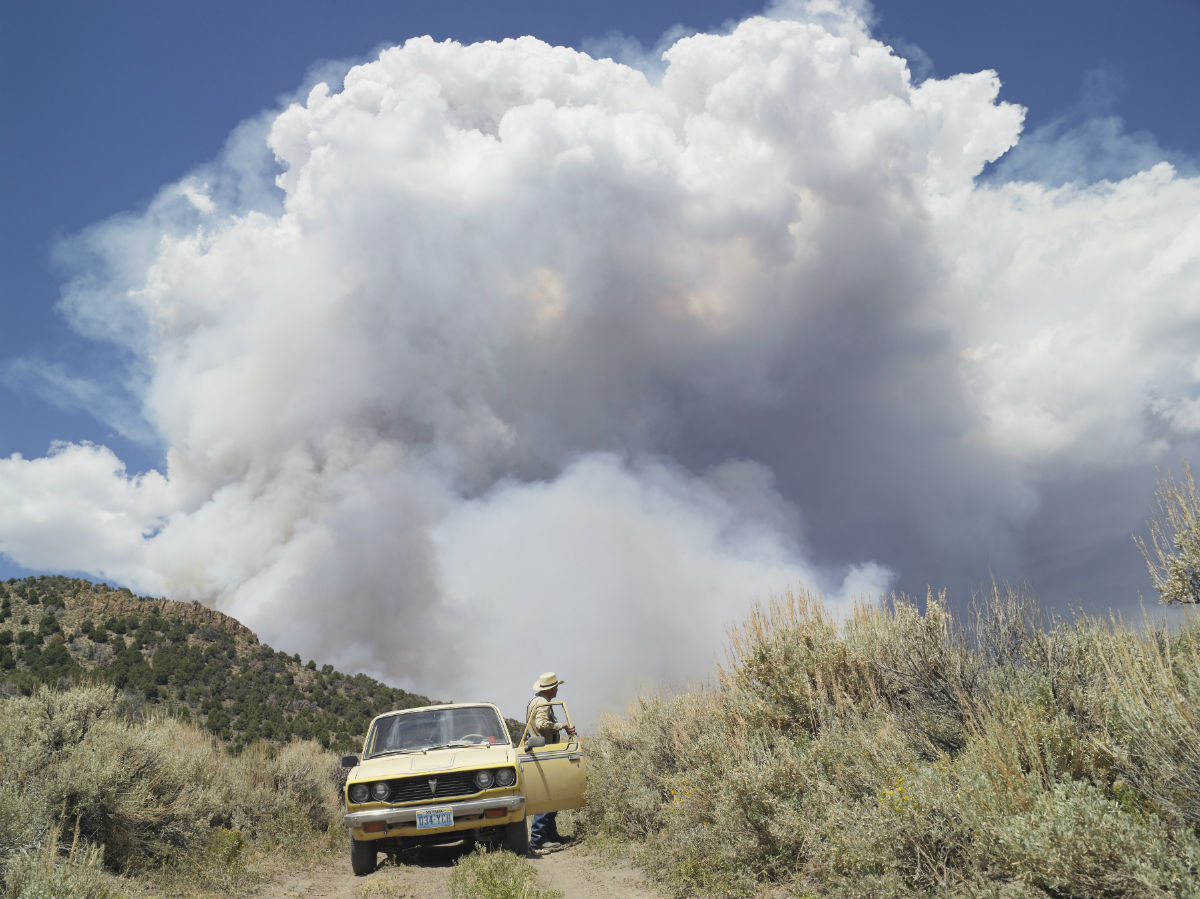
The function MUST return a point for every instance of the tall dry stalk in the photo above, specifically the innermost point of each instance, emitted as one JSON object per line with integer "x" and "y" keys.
{"x": 1173, "y": 556}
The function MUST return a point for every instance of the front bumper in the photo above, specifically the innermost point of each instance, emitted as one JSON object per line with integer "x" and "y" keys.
{"x": 469, "y": 814}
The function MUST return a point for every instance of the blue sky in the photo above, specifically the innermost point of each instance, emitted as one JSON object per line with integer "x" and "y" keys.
{"x": 112, "y": 101}
{"x": 110, "y": 104}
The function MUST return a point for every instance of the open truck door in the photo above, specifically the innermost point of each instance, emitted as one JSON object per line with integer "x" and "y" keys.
{"x": 553, "y": 774}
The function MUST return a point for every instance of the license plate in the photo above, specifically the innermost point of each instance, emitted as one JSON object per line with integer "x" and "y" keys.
{"x": 435, "y": 817}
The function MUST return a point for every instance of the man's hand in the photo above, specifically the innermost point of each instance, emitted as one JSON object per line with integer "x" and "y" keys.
{"x": 569, "y": 730}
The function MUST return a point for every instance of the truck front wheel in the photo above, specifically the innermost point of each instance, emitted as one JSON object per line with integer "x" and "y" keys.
{"x": 516, "y": 837}
{"x": 362, "y": 856}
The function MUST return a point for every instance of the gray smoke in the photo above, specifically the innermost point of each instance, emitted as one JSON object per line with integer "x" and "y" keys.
{"x": 529, "y": 360}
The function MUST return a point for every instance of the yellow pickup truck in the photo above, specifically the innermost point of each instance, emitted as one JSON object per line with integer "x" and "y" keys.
{"x": 444, "y": 773}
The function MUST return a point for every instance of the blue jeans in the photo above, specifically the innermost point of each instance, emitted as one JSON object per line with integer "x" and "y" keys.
{"x": 544, "y": 829}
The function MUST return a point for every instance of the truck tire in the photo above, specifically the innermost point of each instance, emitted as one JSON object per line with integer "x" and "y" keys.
{"x": 362, "y": 856}
{"x": 516, "y": 836}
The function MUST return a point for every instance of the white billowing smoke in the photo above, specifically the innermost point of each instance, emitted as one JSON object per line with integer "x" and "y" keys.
{"x": 542, "y": 364}
{"x": 624, "y": 577}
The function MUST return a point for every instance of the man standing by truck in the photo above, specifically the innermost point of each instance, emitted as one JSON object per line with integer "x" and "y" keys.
{"x": 542, "y": 721}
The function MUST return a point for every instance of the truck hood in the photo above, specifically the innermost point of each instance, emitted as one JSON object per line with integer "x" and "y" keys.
{"x": 480, "y": 756}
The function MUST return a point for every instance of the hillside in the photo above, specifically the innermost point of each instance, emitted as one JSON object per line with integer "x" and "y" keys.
{"x": 190, "y": 660}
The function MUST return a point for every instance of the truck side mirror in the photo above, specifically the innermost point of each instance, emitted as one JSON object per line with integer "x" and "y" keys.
{"x": 349, "y": 761}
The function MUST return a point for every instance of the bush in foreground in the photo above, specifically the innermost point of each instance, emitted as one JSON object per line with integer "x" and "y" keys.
{"x": 893, "y": 754}
{"x": 48, "y": 872}
{"x": 151, "y": 797}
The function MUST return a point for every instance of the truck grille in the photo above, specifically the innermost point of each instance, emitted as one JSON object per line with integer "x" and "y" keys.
{"x": 416, "y": 789}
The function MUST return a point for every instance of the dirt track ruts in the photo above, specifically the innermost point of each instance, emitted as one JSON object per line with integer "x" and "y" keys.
{"x": 426, "y": 875}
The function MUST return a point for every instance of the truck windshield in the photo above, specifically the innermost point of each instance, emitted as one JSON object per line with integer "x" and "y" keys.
{"x": 415, "y": 731}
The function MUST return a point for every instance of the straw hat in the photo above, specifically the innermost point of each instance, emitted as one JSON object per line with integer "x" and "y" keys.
{"x": 547, "y": 681}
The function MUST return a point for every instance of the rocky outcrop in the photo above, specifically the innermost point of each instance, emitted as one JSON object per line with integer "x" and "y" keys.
{"x": 98, "y": 603}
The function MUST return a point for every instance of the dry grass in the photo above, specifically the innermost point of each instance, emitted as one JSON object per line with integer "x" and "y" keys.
{"x": 54, "y": 870}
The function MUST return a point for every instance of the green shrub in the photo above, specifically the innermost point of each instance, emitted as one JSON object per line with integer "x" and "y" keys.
{"x": 495, "y": 875}
{"x": 629, "y": 779}
{"x": 153, "y": 793}
{"x": 130, "y": 791}
{"x": 309, "y": 777}
{"x": 1076, "y": 842}
{"x": 893, "y": 753}
{"x": 23, "y": 819}
{"x": 1173, "y": 556}
{"x": 1149, "y": 699}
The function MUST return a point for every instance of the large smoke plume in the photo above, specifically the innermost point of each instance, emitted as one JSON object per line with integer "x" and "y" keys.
{"x": 506, "y": 359}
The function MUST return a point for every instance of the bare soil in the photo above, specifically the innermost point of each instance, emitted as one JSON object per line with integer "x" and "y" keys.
{"x": 425, "y": 874}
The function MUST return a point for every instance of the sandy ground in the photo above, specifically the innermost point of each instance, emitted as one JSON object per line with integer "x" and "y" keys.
{"x": 426, "y": 875}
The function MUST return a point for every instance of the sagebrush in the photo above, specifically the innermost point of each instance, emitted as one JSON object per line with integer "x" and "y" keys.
{"x": 893, "y": 752}
{"x": 145, "y": 796}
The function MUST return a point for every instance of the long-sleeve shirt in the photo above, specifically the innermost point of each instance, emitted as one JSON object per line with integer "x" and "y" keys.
{"x": 541, "y": 713}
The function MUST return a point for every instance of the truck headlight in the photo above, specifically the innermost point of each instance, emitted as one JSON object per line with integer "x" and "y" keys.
{"x": 484, "y": 780}
{"x": 359, "y": 793}
{"x": 506, "y": 777}
{"x": 380, "y": 791}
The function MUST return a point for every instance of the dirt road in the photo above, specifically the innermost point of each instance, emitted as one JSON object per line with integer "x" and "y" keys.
{"x": 426, "y": 875}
